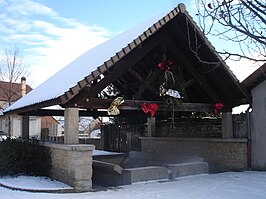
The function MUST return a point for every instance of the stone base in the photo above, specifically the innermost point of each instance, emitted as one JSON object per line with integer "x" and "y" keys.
{"x": 72, "y": 164}
{"x": 139, "y": 166}
{"x": 220, "y": 154}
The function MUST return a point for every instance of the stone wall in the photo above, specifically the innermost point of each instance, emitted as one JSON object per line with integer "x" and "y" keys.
{"x": 258, "y": 127}
{"x": 240, "y": 126}
{"x": 190, "y": 127}
{"x": 201, "y": 127}
{"x": 72, "y": 164}
{"x": 221, "y": 154}
{"x": 97, "y": 142}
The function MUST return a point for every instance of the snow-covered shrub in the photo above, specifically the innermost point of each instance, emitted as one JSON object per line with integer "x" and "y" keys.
{"x": 27, "y": 157}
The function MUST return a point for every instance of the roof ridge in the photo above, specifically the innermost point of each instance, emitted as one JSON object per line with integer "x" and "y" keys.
{"x": 147, "y": 30}
{"x": 181, "y": 8}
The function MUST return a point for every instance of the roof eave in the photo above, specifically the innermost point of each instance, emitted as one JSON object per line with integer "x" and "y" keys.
{"x": 52, "y": 102}
{"x": 255, "y": 78}
{"x": 72, "y": 92}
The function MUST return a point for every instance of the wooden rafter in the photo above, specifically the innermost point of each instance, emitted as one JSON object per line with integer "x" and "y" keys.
{"x": 143, "y": 86}
{"x": 180, "y": 58}
{"x": 84, "y": 113}
{"x": 47, "y": 103}
{"x": 122, "y": 89}
{"x": 116, "y": 71}
{"x": 122, "y": 66}
{"x": 189, "y": 82}
{"x": 136, "y": 75}
{"x": 135, "y": 105}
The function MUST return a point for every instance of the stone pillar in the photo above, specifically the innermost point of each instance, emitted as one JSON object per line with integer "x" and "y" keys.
{"x": 227, "y": 125}
{"x": 151, "y": 126}
{"x": 71, "y": 126}
{"x": 72, "y": 164}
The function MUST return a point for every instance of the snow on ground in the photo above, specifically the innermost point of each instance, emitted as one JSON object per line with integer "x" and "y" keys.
{"x": 32, "y": 182}
{"x": 100, "y": 152}
{"x": 236, "y": 185}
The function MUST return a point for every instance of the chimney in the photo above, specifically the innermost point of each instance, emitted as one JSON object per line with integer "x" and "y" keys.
{"x": 23, "y": 86}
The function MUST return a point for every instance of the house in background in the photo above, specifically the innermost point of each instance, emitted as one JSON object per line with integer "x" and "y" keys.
{"x": 51, "y": 129}
{"x": 11, "y": 92}
{"x": 256, "y": 84}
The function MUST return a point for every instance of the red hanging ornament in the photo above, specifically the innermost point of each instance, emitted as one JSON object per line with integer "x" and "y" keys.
{"x": 165, "y": 65}
{"x": 218, "y": 107}
{"x": 153, "y": 108}
{"x": 149, "y": 108}
{"x": 144, "y": 107}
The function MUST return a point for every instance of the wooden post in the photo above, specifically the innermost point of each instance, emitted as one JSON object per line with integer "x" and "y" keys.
{"x": 71, "y": 126}
{"x": 25, "y": 119}
{"x": 227, "y": 125}
{"x": 151, "y": 126}
{"x": 129, "y": 141}
{"x": 25, "y": 130}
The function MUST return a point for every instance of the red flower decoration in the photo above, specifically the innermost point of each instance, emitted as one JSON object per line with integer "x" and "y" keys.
{"x": 218, "y": 107}
{"x": 149, "y": 108}
{"x": 165, "y": 65}
{"x": 144, "y": 107}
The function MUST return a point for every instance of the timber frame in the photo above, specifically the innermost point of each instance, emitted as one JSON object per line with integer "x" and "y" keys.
{"x": 207, "y": 79}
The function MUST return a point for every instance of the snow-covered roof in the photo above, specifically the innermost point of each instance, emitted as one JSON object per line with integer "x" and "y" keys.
{"x": 77, "y": 70}
{"x": 127, "y": 58}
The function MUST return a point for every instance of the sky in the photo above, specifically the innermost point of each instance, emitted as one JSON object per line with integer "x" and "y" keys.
{"x": 52, "y": 33}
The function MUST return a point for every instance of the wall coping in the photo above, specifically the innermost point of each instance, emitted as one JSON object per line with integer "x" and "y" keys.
{"x": 239, "y": 140}
{"x": 70, "y": 147}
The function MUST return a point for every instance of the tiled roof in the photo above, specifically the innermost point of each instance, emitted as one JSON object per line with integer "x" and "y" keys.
{"x": 255, "y": 78}
{"x": 12, "y": 90}
{"x": 127, "y": 60}
{"x": 81, "y": 71}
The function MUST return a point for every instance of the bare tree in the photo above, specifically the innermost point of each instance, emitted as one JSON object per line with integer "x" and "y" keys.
{"x": 240, "y": 21}
{"x": 12, "y": 69}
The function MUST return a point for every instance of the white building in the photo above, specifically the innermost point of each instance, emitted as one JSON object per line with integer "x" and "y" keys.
{"x": 9, "y": 93}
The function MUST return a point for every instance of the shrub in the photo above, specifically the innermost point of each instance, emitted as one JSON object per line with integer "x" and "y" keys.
{"x": 27, "y": 157}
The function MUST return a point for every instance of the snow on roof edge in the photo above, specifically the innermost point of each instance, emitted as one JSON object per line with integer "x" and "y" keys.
{"x": 88, "y": 61}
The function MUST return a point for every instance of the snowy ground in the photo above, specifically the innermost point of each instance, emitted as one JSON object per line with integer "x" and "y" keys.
{"x": 236, "y": 185}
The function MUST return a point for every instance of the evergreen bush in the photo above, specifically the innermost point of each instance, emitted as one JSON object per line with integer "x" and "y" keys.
{"x": 27, "y": 157}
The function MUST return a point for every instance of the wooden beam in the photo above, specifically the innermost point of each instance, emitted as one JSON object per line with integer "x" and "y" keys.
{"x": 189, "y": 82}
{"x": 122, "y": 89}
{"x": 86, "y": 113}
{"x": 132, "y": 86}
{"x": 144, "y": 86}
{"x": 123, "y": 65}
{"x": 135, "y": 105}
{"x": 136, "y": 75}
{"x": 128, "y": 108}
{"x": 40, "y": 105}
{"x": 25, "y": 131}
{"x": 215, "y": 62}
{"x": 189, "y": 67}
{"x": 117, "y": 70}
